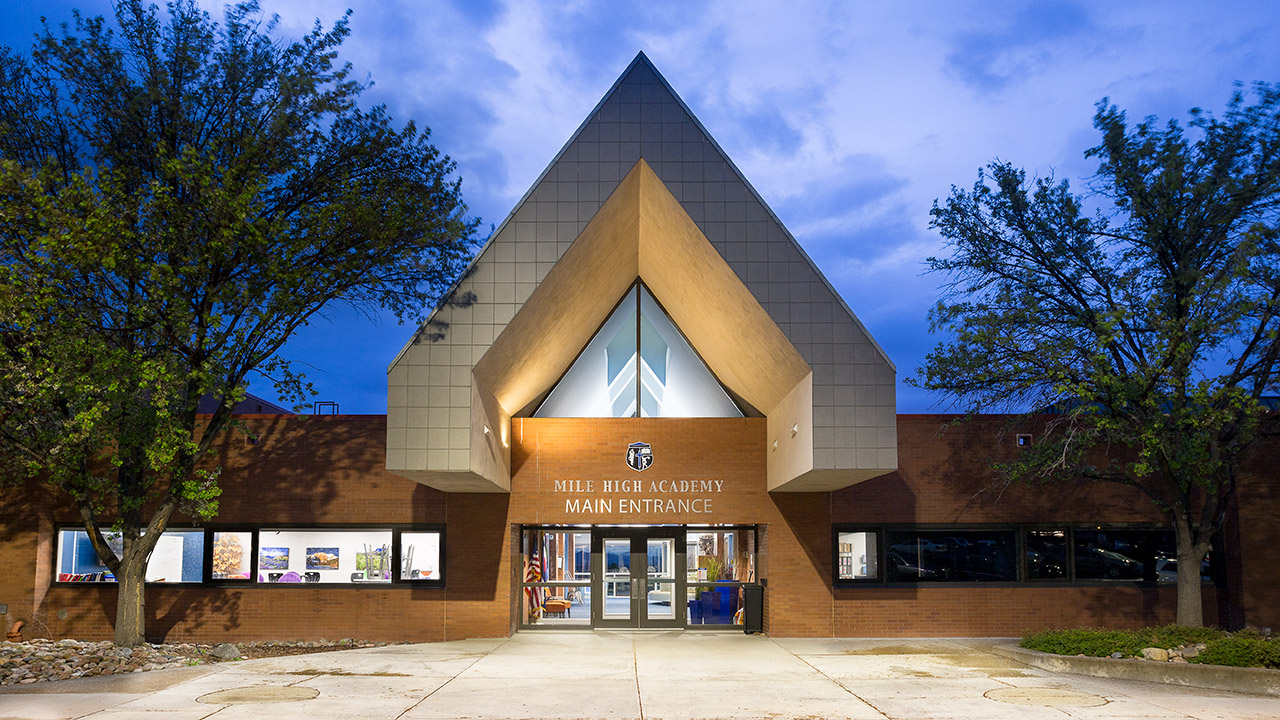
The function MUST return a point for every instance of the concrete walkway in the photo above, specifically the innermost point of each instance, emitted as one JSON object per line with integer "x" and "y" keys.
{"x": 607, "y": 674}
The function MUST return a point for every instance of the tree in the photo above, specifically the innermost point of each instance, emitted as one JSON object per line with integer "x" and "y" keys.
{"x": 1149, "y": 326}
{"x": 177, "y": 197}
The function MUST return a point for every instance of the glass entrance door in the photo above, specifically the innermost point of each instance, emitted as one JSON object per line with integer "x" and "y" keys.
{"x": 636, "y": 580}
{"x": 617, "y": 594}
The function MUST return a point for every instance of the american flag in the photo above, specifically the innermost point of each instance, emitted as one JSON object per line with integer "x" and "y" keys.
{"x": 533, "y": 574}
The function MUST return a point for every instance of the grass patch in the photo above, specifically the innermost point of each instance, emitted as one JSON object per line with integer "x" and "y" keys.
{"x": 1246, "y": 648}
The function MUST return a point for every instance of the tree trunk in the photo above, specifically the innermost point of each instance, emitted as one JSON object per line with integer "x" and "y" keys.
{"x": 131, "y": 623}
{"x": 1190, "y": 589}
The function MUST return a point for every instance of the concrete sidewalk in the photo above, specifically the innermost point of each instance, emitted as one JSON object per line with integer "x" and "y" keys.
{"x": 608, "y": 674}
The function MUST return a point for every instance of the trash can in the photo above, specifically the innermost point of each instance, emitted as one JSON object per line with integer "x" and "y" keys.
{"x": 752, "y": 608}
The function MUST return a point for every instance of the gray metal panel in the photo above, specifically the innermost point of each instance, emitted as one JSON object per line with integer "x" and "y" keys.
{"x": 641, "y": 117}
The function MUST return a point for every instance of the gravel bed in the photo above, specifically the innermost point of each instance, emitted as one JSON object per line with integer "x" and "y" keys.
{"x": 41, "y": 660}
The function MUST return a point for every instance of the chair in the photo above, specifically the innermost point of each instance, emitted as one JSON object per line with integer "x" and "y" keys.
{"x": 557, "y": 606}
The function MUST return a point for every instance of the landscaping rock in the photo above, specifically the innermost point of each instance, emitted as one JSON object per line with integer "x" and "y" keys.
{"x": 1193, "y": 651}
{"x": 226, "y": 651}
{"x": 1156, "y": 654}
{"x": 41, "y": 660}
{"x": 1117, "y": 655}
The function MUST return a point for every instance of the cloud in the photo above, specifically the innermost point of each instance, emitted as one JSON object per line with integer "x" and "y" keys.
{"x": 849, "y": 118}
{"x": 1017, "y": 45}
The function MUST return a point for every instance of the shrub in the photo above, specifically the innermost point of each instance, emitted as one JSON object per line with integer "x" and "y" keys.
{"x": 1170, "y": 636}
{"x": 1084, "y": 641}
{"x": 1241, "y": 650}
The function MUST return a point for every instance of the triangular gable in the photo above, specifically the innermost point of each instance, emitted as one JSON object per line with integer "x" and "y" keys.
{"x": 436, "y": 413}
{"x": 641, "y": 231}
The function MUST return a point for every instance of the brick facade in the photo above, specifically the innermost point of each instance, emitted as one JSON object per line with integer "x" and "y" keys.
{"x": 327, "y": 470}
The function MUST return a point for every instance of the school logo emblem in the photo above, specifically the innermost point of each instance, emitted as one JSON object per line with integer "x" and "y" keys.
{"x": 639, "y": 456}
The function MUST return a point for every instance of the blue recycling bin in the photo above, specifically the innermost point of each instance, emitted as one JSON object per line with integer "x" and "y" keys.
{"x": 727, "y": 605}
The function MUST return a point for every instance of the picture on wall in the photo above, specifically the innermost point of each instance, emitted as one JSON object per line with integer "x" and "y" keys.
{"x": 374, "y": 562}
{"x": 322, "y": 558}
{"x": 230, "y": 561}
{"x": 273, "y": 558}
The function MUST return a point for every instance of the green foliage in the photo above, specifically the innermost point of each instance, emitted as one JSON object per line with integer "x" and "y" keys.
{"x": 177, "y": 197}
{"x": 1241, "y": 649}
{"x": 1167, "y": 636}
{"x": 1150, "y": 328}
{"x": 1084, "y": 641}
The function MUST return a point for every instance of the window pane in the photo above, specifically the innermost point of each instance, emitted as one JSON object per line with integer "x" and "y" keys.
{"x": 715, "y": 604}
{"x": 662, "y": 372}
{"x": 1119, "y": 554}
{"x": 720, "y": 555}
{"x": 950, "y": 556}
{"x": 324, "y": 556}
{"x": 556, "y": 556}
{"x": 617, "y": 577}
{"x": 232, "y": 555}
{"x": 659, "y": 600}
{"x": 557, "y": 605}
{"x": 856, "y": 554}
{"x": 420, "y": 556}
{"x": 662, "y": 558}
{"x": 1046, "y": 554}
{"x": 177, "y": 557}
{"x": 674, "y": 382}
{"x": 602, "y": 381}
{"x": 1165, "y": 552}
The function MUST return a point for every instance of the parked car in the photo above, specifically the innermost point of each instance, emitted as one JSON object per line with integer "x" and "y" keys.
{"x": 1167, "y": 570}
{"x": 913, "y": 567}
{"x": 1096, "y": 563}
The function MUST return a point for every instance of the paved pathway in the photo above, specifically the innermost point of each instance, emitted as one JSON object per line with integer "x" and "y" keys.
{"x": 613, "y": 675}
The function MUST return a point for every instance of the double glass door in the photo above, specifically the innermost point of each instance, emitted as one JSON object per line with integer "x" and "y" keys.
{"x": 637, "y": 579}
{"x": 660, "y": 576}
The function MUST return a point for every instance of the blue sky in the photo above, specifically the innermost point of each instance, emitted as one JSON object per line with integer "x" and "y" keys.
{"x": 849, "y": 118}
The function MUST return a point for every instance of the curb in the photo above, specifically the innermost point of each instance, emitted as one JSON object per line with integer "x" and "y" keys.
{"x": 1254, "y": 681}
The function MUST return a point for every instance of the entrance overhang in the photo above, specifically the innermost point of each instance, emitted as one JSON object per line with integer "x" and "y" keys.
{"x": 764, "y": 320}
{"x": 642, "y": 231}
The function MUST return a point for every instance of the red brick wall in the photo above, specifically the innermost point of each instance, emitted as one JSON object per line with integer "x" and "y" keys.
{"x": 330, "y": 470}
{"x": 998, "y": 611}
{"x": 1254, "y": 531}
{"x": 303, "y": 470}
{"x": 578, "y": 451}
{"x": 944, "y": 477}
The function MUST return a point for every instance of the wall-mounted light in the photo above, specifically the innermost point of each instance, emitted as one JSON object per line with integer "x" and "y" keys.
{"x": 795, "y": 429}
{"x": 486, "y": 429}
{"x": 775, "y": 444}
